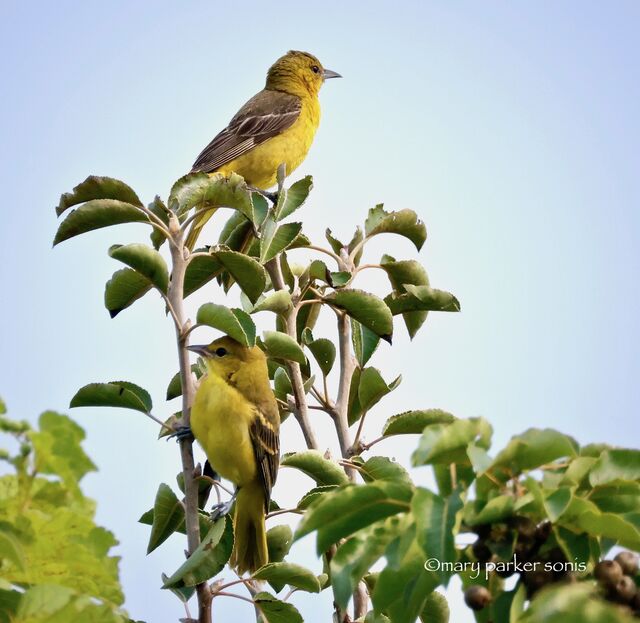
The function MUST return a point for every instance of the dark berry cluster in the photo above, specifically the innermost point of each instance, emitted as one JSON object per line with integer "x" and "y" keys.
{"x": 617, "y": 580}
{"x": 539, "y": 562}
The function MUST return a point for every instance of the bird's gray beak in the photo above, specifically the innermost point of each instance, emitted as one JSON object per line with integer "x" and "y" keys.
{"x": 200, "y": 349}
{"x": 327, "y": 73}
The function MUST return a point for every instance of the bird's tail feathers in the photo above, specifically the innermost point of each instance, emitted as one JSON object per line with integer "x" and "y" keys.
{"x": 250, "y": 546}
{"x": 196, "y": 228}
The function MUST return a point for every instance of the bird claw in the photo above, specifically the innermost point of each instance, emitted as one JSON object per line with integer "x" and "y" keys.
{"x": 221, "y": 510}
{"x": 180, "y": 433}
{"x": 273, "y": 197}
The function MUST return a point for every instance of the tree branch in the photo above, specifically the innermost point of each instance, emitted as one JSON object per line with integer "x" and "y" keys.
{"x": 175, "y": 296}
{"x": 347, "y": 366}
{"x": 301, "y": 412}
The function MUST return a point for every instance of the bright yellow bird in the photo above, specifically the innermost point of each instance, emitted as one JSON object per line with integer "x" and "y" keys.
{"x": 235, "y": 419}
{"x": 275, "y": 126}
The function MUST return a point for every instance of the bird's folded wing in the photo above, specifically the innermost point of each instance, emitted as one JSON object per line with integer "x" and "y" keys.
{"x": 266, "y": 448}
{"x": 264, "y": 116}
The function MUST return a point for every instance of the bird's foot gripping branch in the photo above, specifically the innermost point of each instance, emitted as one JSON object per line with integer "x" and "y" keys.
{"x": 542, "y": 499}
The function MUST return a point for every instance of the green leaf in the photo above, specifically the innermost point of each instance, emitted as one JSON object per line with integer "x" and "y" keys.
{"x": 324, "y": 352}
{"x": 282, "y": 384}
{"x": 124, "y": 288}
{"x": 144, "y": 260}
{"x": 174, "y": 389}
{"x": 356, "y": 239}
{"x": 382, "y": 468}
{"x": 577, "y": 471}
{"x": 615, "y": 464}
{"x": 365, "y": 342}
{"x": 335, "y": 244}
{"x": 96, "y": 214}
{"x": 573, "y": 603}
{"x": 435, "y": 609}
{"x": 247, "y": 272}
{"x": 314, "y": 465}
{"x": 533, "y": 448}
{"x": 290, "y": 199}
{"x": 494, "y": 510}
{"x": 277, "y": 302}
{"x": 373, "y": 387}
{"x": 557, "y": 502}
{"x": 95, "y": 187}
{"x": 275, "y": 611}
{"x": 58, "y": 450}
{"x": 114, "y": 394}
{"x": 276, "y": 239}
{"x": 200, "y": 270}
{"x": 355, "y": 557}
{"x": 403, "y": 585}
{"x": 414, "y": 422}
{"x": 208, "y": 559}
{"x": 234, "y": 322}
{"x": 168, "y": 514}
{"x": 354, "y": 408}
{"x": 575, "y": 546}
{"x": 202, "y": 191}
{"x": 435, "y": 518}
{"x": 447, "y": 443}
{"x": 280, "y": 573}
{"x": 184, "y": 594}
{"x": 584, "y": 516}
{"x": 406, "y": 272}
{"x": 367, "y": 309}
{"x": 307, "y": 315}
{"x": 260, "y": 208}
{"x": 405, "y": 223}
{"x": 314, "y": 494}
{"x": 279, "y": 345}
{"x": 279, "y": 540}
{"x": 339, "y": 514}
{"x": 422, "y": 298}
{"x": 158, "y": 208}
{"x": 11, "y": 550}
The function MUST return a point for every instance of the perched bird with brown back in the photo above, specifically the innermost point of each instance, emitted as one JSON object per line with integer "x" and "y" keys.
{"x": 235, "y": 419}
{"x": 276, "y": 126}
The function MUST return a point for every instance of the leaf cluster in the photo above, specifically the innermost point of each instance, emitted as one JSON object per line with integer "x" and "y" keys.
{"x": 55, "y": 562}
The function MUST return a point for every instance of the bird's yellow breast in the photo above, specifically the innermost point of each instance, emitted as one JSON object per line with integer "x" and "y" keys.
{"x": 215, "y": 412}
{"x": 259, "y": 166}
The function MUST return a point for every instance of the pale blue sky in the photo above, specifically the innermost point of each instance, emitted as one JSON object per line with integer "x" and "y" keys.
{"x": 511, "y": 128}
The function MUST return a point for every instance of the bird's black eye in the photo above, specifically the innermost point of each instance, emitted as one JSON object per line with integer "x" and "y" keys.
{"x": 221, "y": 352}
{"x": 315, "y": 69}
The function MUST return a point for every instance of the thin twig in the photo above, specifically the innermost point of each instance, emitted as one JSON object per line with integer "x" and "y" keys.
{"x": 313, "y": 247}
{"x": 295, "y": 374}
{"x": 367, "y": 446}
{"x": 225, "y": 594}
{"x": 192, "y": 328}
{"x": 158, "y": 421}
{"x": 289, "y": 593}
{"x": 193, "y": 217}
{"x": 155, "y": 221}
{"x": 309, "y": 302}
{"x": 356, "y": 441}
{"x": 218, "y": 485}
{"x": 217, "y": 589}
{"x": 283, "y": 511}
{"x": 357, "y": 248}
{"x": 172, "y": 311}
